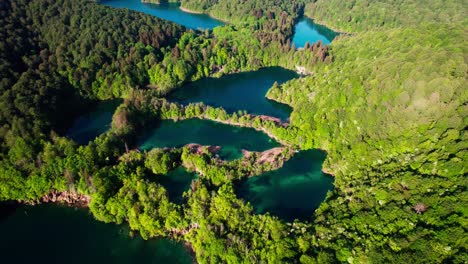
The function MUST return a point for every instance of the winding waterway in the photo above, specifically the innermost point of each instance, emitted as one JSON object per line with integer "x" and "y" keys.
{"x": 56, "y": 234}
{"x": 232, "y": 139}
{"x": 167, "y": 11}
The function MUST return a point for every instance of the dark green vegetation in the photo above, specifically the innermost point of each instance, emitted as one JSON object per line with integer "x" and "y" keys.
{"x": 49, "y": 62}
{"x": 242, "y": 91}
{"x": 54, "y": 234}
{"x": 387, "y": 104}
{"x": 292, "y": 192}
{"x": 168, "y": 133}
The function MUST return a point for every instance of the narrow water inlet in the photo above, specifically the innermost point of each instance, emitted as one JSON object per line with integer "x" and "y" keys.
{"x": 232, "y": 139}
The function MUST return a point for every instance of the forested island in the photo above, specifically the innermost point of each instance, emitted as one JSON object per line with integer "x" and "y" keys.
{"x": 357, "y": 153}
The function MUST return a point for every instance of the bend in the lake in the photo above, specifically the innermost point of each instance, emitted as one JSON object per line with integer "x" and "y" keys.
{"x": 168, "y": 11}
{"x": 240, "y": 91}
{"x": 232, "y": 139}
{"x": 292, "y": 192}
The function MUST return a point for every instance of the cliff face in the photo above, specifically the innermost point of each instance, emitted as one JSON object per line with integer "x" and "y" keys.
{"x": 66, "y": 198}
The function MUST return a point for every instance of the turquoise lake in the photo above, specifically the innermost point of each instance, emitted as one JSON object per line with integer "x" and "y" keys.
{"x": 93, "y": 123}
{"x": 307, "y": 31}
{"x": 240, "y": 91}
{"x": 56, "y": 234}
{"x": 168, "y": 133}
{"x": 292, "y": 192}
{"x": 167, "y": 11}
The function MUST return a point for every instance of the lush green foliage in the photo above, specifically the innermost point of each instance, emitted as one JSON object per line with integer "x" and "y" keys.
{"x": 160, "y": 162}
{"x": 388, "y": 106}
{"x": 392, "y": 115}
{"x": 101, "y": 53}
{"x": 271, "y": 20}
{"x": 50, "y": 47}
{"x": 362, "y": 15}
{"x": 229, "y": 232}
{"x": 226, "y": 50}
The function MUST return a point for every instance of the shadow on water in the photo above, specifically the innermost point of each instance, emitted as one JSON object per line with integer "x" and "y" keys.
{"x": 55, "y": 234}
{"x": 240, "y": 91}
{"x": 7, "y": 209}
{"x": 291, "y": 192}
{"x": 176, "y": 182}
{"x": 93, "y": 123}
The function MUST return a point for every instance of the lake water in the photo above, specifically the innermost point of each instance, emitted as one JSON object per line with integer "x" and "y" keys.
{"x": 167, "y": 11}
{"x": 292, "y": 192}
{"x": 56, "y": 234}
{"x": 205, "y": 132}
{"x": 241, "y": 91}
{"x": 176, "y": 183}
{"x": 307, "y": 31}
{"x": 93, "y": 123}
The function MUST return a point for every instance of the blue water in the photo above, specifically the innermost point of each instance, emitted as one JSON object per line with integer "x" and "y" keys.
{"x": 240, "y": 91}
{"x": 93, "y": 123}
{"x": 55, "y": 234}
{"x": 170, "y": 12}
{"x": 293, "y": 191}
{"x": 307, "y": 31}
{"x": 176, "y": 183}
{"x": 205, "y": 132}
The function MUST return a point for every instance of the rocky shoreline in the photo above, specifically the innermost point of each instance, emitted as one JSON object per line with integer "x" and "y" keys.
{"x": 68, "y": 198}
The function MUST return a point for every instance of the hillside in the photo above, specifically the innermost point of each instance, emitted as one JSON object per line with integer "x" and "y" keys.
{"x": 388, "y": 103}
{"x": 391, "y": 112}
{"x": 362, "y": 15}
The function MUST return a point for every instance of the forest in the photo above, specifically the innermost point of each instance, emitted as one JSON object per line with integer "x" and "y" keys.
{"x": 388, "y": 103}
{"x": 365, "y": 15}
{"x": 270, "y": 20}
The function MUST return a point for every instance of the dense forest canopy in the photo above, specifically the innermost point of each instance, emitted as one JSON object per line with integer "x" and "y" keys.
{"x": 392, "y": 115}
{"x": 388, "y": 103}
{"x": 362, "y": 15}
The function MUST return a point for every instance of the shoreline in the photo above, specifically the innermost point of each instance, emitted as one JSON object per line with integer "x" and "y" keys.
{"x": 191, "y": 11}
{"x": 65, "y": 198}
{"x": 321, "y": 23}
{"x": 81, "y": 201}
{"x": 186, "y": 10}
{"x": 260, "y": 129}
